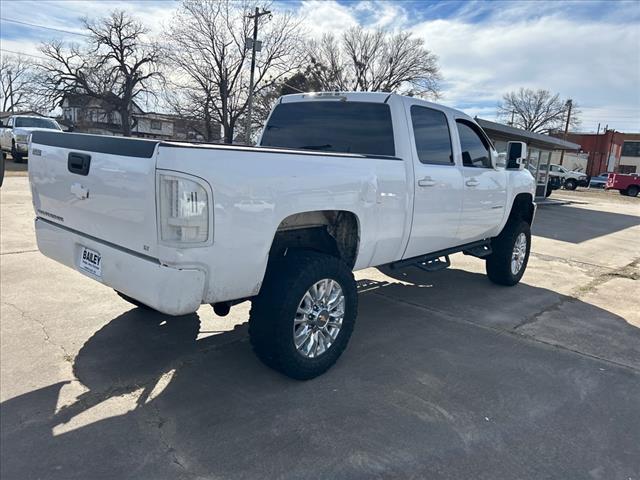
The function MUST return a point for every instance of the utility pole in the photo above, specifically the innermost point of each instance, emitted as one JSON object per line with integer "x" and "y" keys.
{"x": 566, "y": 127}
{"x": 254, "y": 47}
{"x": 513, "y": 112}
{"x": 10, "y": 90}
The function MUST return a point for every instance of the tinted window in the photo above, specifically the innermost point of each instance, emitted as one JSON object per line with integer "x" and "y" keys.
{"x": 631, "y": 149}
{"x": 332, "y": 126}
{"x": 433, "y": 141}
{"x": 36, "y": 122}
{"x": 475, "y": 149}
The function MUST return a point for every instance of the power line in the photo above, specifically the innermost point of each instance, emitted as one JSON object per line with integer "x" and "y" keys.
{"x": 19, "y": 22}
{"x": 22, "y": 53}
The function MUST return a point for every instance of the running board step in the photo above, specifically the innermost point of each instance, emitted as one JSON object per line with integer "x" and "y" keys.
{"x": 434, "y": 264}
{"x": 479, "y": 251}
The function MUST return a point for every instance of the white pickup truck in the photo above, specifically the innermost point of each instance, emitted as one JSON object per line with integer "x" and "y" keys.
{"x": 14, "y": 136}
{"x": 338, "y": 182}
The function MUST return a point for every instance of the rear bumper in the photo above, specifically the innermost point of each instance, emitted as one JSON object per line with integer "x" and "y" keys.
{"x": 169, "y": 290}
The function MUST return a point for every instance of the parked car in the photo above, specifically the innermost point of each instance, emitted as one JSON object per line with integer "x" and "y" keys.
{"x": 626, "y": 184}
{"x": 339, "y": 182}
{"x": 14, "y": 137}
{"x": 570, "y": 179}
{"x": 600, "y": 181}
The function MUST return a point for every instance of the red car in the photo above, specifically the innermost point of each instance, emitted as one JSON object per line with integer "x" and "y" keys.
{"x": 626, "y": 184}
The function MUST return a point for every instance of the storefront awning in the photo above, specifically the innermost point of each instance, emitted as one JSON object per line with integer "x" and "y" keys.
{"x": 505, "y": 132}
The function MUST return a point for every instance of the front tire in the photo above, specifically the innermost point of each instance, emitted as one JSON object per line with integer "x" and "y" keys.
{"x": 632, "y": 191}
{"x": 17, "y": 157}
{"x": 303, "y": 317}
{"x": 570, "y": 184}
{"x": 507, "y": 263}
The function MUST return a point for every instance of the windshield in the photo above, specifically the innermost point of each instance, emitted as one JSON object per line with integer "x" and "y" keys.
{"x": 332, "y": 126}
{"x": 36, "y": 122}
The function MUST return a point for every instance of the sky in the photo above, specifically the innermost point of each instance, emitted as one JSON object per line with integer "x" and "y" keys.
{"x": 587, "y": 51}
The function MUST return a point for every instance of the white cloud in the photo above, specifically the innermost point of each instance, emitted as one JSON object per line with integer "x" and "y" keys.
{"x": 322, "y": 17}
{"x": 584, "y": 50}
{"x": 595, "y": 64}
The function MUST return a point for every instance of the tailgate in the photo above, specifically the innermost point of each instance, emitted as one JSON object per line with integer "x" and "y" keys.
{"x": 100, "y": 186}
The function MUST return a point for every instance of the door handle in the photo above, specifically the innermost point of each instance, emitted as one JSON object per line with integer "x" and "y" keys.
{"x": 472, "y": 182}
{"x": 426, "y": 182}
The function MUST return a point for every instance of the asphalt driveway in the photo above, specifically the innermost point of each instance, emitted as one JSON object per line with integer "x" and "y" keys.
{"x": 446, "y": 376}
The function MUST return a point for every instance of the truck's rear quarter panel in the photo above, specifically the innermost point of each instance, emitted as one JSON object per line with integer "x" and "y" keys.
{"x": 254, "y": 189}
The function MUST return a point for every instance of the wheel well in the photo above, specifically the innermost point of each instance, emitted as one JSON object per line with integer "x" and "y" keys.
{"x": 522, "y": 208}
{"x": 334, "y": 232}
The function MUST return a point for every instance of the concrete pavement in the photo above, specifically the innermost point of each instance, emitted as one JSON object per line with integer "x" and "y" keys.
{"x": 446, "y": 376}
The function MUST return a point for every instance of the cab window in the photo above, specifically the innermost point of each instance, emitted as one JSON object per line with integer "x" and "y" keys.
{"x": 475, "y": 148}
{"x": 329, "y": 126}
{"x": 432, "y": 137}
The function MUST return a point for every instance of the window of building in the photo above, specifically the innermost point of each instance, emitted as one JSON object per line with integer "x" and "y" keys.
{"x": 156, "y": 125}
{"x": 332, "y": 126}
{"x": 627, "y": 169}
{"x": 431, "y": 132}
{"x": 475, "y": 148}
{"x": 631, "y": 149}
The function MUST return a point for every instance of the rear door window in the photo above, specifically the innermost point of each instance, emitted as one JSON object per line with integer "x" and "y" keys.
{"x": 332, "y": 126}
{"x": 431, "y": 132}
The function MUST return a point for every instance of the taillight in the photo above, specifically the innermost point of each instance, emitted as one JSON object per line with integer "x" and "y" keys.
{"x": 183, "y": 210}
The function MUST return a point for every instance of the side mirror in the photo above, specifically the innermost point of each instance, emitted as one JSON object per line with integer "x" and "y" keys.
{"x": 516, "y": 155}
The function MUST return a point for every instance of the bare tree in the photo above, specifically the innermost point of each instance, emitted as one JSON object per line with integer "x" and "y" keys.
{"x": 118, "y": 65}
{"x": 19, "y": 85}
{"x": 536, "y": 110}
{"x": 363, "y": 60}
{"x": 210, "y": 59}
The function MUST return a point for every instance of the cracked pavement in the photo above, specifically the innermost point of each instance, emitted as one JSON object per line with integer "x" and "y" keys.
{"x": 446, "y": 376}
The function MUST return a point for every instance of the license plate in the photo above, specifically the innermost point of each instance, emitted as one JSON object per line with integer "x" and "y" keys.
{"x": 91, "y": 261}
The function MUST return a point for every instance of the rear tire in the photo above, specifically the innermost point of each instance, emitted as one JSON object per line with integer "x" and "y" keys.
{"x": 570, "y": 184}
{"x": 623, "y": 192}
{"x": 133, "y": 301}
{"x": 632, "y": 191}
{"x": 508, "y": 262}
{"x": 278, "y": 324}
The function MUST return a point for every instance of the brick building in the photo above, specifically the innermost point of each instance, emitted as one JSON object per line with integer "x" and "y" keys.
{"x": 609, "y": 151}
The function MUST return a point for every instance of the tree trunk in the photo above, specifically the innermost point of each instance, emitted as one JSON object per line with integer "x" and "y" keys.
{"x": 228, "y": 133}
{"x": 125, "y": 119}
{"x": 207, "y": 121}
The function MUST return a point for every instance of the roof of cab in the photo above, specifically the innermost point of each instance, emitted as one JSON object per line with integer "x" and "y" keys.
{"x": 373, "y": 97}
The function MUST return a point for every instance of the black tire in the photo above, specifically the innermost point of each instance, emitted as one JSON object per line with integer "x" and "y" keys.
{"x": 17, "y": 157}
{"x": 623, "y": 192}
{"x": 2, "y": 168}
{"x": 271, "y": 320}
{"x": 632, "y": 191}
{"x": 570, "y": 184}
{"x": 499, "y": 262}
{"x": 548, "y": 191}
{"x": 133, "y": 301}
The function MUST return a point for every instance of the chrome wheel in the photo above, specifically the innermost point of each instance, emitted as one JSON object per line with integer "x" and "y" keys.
{"x": 519, "y": 253}
{"x": 318, "y": 318}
